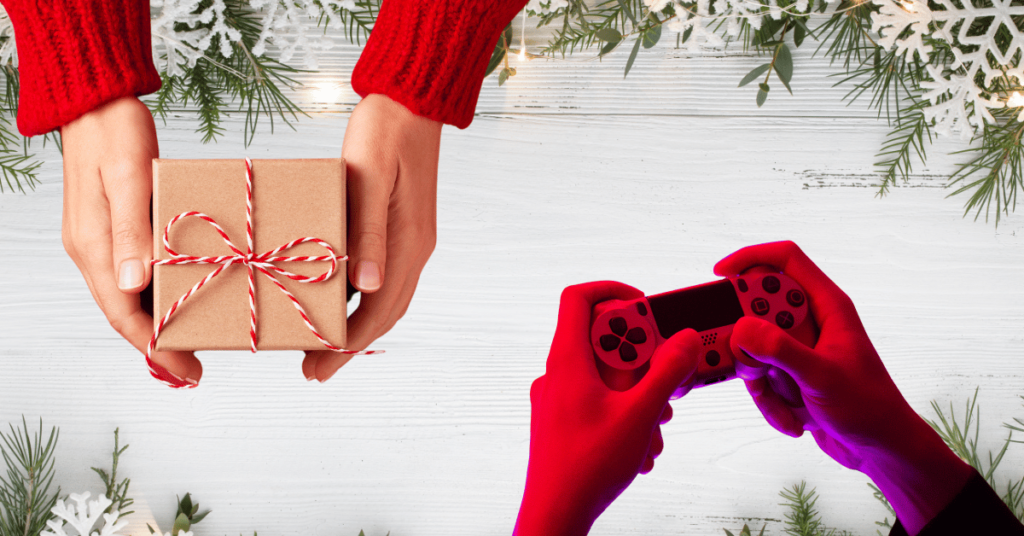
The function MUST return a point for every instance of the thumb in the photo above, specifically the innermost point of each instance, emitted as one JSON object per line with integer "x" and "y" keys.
{"x": 672, "y": 365}
{"x": 368, "y": 195}
{"x": 769, "y": 344}
{"x": 129, "y": 188}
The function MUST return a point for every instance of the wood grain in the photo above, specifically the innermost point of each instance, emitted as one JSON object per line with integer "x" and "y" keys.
{"x": 568, "y": 174}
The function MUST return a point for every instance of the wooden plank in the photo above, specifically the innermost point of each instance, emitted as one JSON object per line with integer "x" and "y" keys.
{"x": 432, "y": 437}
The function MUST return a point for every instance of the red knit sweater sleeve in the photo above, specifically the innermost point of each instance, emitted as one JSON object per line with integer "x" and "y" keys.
{"x": 76, "y": 55}
{"x": 430, "y": 55}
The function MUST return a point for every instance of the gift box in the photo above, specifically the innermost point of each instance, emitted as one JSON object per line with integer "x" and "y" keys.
{"x": 291, "y": 199}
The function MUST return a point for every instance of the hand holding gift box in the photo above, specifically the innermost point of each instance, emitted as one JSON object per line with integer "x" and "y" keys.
{"x": 273, "y": 291}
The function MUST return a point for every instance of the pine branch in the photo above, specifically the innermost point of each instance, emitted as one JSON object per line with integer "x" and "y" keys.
{"x": 25, "y": 498}
{"x": 997, "y": 169}
{"x": 202, "y": 91}
{"x": 904, "y": 141}
{"x": 116, "y": 491}
{"x": 357, "y": 24}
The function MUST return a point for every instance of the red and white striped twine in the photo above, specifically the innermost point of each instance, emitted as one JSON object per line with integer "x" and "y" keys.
{"x": 264, "y": 263}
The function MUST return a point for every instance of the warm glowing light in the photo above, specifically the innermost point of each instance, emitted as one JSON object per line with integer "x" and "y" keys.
{"x": 522, "y": 54}
{"x": 327, "y": 92}
{"x": 1015, "y": 101}
{"x": 907, "y": 5}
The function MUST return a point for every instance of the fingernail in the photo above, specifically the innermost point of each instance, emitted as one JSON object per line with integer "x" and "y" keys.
{"x": 130, "y": 275}
{"x": 191, "y": 382}
{"x": 367, "y": 275}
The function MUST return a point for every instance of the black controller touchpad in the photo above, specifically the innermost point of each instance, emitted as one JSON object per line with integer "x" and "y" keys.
{"x": 702, "y": 308}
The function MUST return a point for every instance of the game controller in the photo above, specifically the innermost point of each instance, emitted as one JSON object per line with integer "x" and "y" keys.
{"x": 625, "y": 333}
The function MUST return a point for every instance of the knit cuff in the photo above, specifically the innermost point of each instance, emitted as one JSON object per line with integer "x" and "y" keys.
{"x": 431, "y": 56}
{"x": 77, "y": 55}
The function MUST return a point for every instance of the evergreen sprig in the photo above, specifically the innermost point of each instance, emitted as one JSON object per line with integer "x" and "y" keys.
{"x": 116, "y": 491}
{"x": 991, "y": 178}
{"x": 25, "y": 497}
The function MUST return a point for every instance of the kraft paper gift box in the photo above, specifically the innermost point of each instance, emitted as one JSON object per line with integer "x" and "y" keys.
{"x": 291, "y": 199}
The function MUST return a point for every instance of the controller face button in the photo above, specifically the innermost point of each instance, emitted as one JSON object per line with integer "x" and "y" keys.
{"x": 609, "y": 342}
{"x": 784, "y": 319}
{"x": 641, "y": 308}
{"x": 795, "y": 298}
{"x": 771, "y": 284}
{"x": 760, "y": 306}
{"x": 742, "y": 284}
{"x": 618, "y": 325}
{"x": 627, "y": 352}
{"x": 713, "y": 358}
{"x": 636, "y": 336}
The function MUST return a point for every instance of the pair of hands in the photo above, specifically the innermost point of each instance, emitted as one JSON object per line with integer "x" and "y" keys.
{"x": 588, "y": 442}
{"x": 392, "y": 157}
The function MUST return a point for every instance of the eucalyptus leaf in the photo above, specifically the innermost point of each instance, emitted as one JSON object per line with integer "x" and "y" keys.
{"x": 754, "y": 73}
{"x": 502, "y": 76}
{"x": 762, "y": 95}
{"x": 652, "y": 36}
{"x": 799, "y": 33}
{"x": 784, "y": 64}
{"x": 608, "y": 47}
{"x": 609, "y": 35}
{"x": 764, "y": 87}
{"x": 496, "y": 58}
{"x": 627, "y": 11}
{"x": 687, "y": 33}
{"x": 632, "y": 57}
{"x": 185, "y": 506}
{"x": 728, "y": 533}
{"x": 200, "y": 517}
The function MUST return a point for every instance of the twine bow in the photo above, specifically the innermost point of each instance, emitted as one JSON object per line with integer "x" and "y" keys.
{"x": 264, "y": 263}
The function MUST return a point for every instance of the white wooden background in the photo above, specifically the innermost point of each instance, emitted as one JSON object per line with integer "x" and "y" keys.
{"x": 568, "y": 174}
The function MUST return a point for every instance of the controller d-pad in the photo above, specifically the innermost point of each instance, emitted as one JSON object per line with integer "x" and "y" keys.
{"x": 760, "y": 306}
{"x": 713, "y": 358}
{"x": 742, "y": 284}
{"x": 641, "y": 308}
{"x": 795, "y": 298}
{"x": 609, "y": 342}
{"x": 771, "y": 284}
{"x": 784, "y": 319}
{"x": 627, "y": 352}
{"x": 618, "y": 325}
{"x": 636, "y": 336}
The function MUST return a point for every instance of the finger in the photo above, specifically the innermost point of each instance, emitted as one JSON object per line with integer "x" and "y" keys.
{"x": 657, "y": 443}
{"x": 369, "y": 182}
{"x": 128, "y": 185}
{"x": 570, "y": 347}
{"x": 768, "y": 344}
{"x": 825, "y": 298}
{"x": 647, "y": 466}
{"x": 666, "y": 414}
{"x": 309, "y": 364}
{"x": 774, "y": 409}
{"x": 672, "y": 365}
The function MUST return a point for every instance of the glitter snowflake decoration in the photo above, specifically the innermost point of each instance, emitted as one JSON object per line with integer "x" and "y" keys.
{"x": 960, "y": 94}
{"x": 81, "y": 515}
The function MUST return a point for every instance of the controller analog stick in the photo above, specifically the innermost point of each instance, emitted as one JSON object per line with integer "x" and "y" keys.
{"x": 795, "y": 298}
{"x": 760, "y": 306}
{"x": 618, "y": 325}
{"x": 609, "y": 342}
{"x": 771, "y": 284}
{"x": 627, "y": 352}
{"x": 784, "y": 319}
{"x": 636, "y": 336}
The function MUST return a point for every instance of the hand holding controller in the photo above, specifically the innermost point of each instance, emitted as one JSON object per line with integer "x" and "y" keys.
{"x": 625, "y": 334}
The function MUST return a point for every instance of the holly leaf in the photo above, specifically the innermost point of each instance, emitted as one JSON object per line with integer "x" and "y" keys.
{"x": 632, "y": 57}
{"x": 754, "y": 73}
{"x": 652, "y": 36}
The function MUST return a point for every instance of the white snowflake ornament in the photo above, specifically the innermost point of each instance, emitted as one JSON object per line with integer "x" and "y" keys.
{"x": 894, "y": 17}
{"x": 82, "y": 516}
